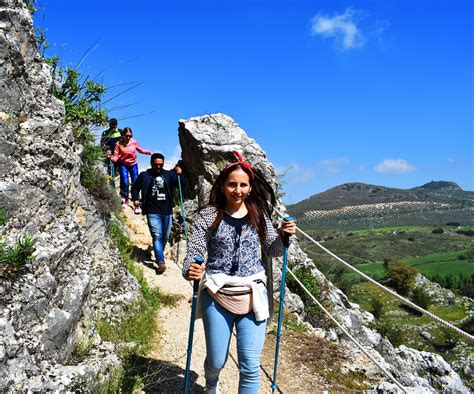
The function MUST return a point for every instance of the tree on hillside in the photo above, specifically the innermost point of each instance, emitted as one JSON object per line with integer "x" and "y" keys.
{"x": 402, "y": 275}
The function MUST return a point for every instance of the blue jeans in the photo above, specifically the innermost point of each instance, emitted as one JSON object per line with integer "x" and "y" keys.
{"x": 160, "y": 228}
{"x": 124, "y": 184}
{"x": 218, "y": 325}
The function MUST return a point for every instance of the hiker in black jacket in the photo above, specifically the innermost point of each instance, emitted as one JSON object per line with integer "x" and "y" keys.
{"x": 157, "y": 186}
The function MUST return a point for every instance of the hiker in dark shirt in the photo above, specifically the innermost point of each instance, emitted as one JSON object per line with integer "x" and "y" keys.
{"x": 156, "y": 186}
{"x": 110, "y": 137}
{"x": 108, "y": 140}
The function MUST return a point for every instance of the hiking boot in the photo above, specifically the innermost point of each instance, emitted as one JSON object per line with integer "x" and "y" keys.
{"x": 161, "y": 268}
{"x": 125, "y": 203}
{"x": 212, "y": 390}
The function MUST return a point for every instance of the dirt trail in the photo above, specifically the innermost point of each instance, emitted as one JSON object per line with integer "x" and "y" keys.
{"x": 169, "y": 354}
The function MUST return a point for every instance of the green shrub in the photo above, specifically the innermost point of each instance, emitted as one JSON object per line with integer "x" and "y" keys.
{"x": 31, "y": 5}
{"x": 336, "y": 274}
{"x": 467, "y": 290}
{"x": 13, "y": 260}
{"x": 446, "y": 341}
{"x": 293, "y": 324}
{"x": 469, "y": 233}
{"x": 438, "y": 230}
{"x": 82, "y": 101}
{"x": 402, "y": 275}
{"x": 137, "y": 329}
{"x": 392, "y": 332}
{"x": 470, "y": 254}
{"x": 377, "y": 307}
{"x": 421, "y": 298}
{"x": 95, "y": 180}
{"x": 314, "y": 314}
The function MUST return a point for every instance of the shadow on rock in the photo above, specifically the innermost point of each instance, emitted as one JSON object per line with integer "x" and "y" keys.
{"x": 143, "y": 256}
{"x": 159, "y": 376}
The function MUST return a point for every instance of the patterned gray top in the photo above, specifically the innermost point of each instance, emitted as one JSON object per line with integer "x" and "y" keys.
{"x": 228, "y": 251}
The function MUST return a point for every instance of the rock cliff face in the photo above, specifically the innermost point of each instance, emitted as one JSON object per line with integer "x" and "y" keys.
{"x": 207, "y": 143}
{"x": 77, "y": 275}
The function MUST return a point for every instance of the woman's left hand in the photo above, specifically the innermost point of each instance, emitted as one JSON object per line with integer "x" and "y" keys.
{"x": 288, "y": 227}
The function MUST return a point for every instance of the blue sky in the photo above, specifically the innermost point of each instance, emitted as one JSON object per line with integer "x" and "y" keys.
{"x": 334, "y": 91}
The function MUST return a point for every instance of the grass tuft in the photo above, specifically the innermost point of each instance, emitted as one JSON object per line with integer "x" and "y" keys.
{"x": 14, "y": 260}
{"x": 3, "y": 217}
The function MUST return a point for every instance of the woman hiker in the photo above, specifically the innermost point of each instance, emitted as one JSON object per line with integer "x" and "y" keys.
{"x": 231, "y": 228}
{"x": 125, "y": 154}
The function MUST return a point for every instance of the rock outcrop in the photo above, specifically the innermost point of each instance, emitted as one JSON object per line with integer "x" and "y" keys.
{"x": 77, "y": 275}
{"x": 207, "y": 143}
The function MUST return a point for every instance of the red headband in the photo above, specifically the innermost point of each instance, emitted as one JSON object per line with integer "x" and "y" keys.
{"x": 241, "y": 162}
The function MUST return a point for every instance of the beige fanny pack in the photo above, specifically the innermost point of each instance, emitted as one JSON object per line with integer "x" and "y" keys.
{"x": 236, "y": 299}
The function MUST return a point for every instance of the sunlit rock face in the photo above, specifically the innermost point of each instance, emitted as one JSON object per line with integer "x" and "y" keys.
{"x": 76, "y": 275}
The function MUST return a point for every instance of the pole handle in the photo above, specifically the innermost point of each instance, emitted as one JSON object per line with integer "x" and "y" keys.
{"x": 286, "y": 237}
{"x": 197, "y": 260}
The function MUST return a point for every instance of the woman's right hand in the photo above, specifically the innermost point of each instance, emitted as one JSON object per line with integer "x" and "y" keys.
{"x": 196, "y": 271}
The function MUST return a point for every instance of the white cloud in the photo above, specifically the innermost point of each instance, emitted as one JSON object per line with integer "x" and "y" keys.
{"x": 304, "y": 176}
{"x": 341, "y": 27}
{"x": 394, "y": 166}
{"x": 333, "y": 166}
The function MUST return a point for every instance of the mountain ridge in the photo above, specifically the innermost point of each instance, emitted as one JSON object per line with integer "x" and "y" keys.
{"x": 436, "y": 202}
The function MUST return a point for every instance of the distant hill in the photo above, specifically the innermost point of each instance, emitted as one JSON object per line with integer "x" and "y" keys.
{"x": 360, "y": 205}
{"x": 441, "y": 185}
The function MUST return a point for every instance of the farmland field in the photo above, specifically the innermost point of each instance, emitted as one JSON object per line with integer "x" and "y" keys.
{"x": 393, "y": 243}
{"x": 429, "y": 266}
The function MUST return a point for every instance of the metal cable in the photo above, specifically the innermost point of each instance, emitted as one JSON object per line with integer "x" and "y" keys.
{"x": 387, "y": 373}
{"x": 395, "y": 294}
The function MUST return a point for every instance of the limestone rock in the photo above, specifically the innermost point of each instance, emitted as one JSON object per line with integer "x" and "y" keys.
{"x": 68, "y": 283}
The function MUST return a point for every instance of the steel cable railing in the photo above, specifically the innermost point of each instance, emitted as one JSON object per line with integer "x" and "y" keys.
{"x": 387, "y": 373}
{"x": 393, "y": 293}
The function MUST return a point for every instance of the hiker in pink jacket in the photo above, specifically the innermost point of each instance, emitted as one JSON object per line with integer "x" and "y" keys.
{"x": 125, "y": 155}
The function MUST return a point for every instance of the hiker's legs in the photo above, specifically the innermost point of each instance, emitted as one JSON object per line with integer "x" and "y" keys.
{"x": 250, "y": 340}
{"x": 124, "y": 182}
{"x": 218, "y": 323}
{"x": 124, "y": 185}
{"x": 133, "y": 170}
{"x": 166, "y": 221}
{"x": 157, "y": 228}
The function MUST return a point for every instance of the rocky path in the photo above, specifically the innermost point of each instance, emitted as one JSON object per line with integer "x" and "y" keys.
{"x": 169, "y": 354}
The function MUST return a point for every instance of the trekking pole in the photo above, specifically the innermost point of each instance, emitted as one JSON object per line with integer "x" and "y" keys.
{"x": 183, "y": 214}
{"x": 197, "y": 260}
{"x": 112, "y": 173}
{"x": 286, "y": 244}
